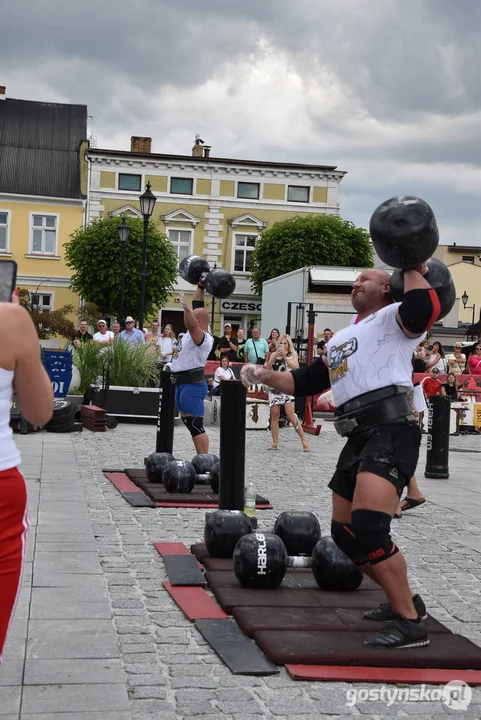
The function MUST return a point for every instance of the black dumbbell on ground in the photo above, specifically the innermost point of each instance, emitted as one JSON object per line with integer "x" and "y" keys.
{"x": 223, "y": 529}
{"x": 203, "y": 464}
{"x": 261, "y": 562}
{"x": 217, "y": 282}
{"x": 155, "y": 465}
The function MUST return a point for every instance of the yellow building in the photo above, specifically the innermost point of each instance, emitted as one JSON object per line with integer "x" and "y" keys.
{"x": 212, "y": 207}
{"x": 464, "y": 263}
{"x": 43, "y": 188}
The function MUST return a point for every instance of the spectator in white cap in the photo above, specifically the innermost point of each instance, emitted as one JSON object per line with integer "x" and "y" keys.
{"x": 131, "y": 334}
{"x": 103, "y": 336}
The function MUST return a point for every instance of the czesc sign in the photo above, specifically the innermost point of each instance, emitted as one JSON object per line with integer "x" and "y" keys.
{"x": 240, "y": 306}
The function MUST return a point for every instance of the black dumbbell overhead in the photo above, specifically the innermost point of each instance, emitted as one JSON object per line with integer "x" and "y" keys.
{"x": 218, "y": 282}
{"x": 404, "y": 231}
{"x": 440, "y": 279}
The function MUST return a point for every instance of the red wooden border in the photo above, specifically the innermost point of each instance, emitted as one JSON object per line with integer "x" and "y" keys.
{"x": 122, "y": 482}
{"x": 166, "y": 503}
{"x": 194, "y": 602}
{"x": 415, "y": 676}
{"x": 171, "y": 548}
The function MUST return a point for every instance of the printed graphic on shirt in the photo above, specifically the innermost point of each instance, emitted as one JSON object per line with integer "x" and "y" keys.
{"x": 338, "y": 359}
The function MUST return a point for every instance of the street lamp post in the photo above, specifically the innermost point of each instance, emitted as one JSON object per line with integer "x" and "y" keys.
{"x": 464, "y": 300}
{"x": 124, "y": 232}
{"x": 212, "y": 308}
{"x": 147, "y": 204}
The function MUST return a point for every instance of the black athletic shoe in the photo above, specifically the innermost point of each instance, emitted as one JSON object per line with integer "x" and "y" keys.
{"x": 399, "y": 633}
{"x": 385, "y": 613}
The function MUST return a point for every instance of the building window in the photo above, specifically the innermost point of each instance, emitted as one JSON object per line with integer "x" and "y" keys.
{"x": 130, "y": 182}
{"x": 298, "y": 193}
{"x": 249, "y": 191}
{"x": 182, "y": 241}
{"x": 468, "y": 258}
{"x": 42, "y": 301}
{"x": 243, "y": 247}
{"x": 4, "y": 216}
{"x": 44, "y": 234}
{"x": 181, "y": 186}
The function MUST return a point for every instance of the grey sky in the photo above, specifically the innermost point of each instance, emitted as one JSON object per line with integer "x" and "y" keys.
{"x": 389, "y": 90}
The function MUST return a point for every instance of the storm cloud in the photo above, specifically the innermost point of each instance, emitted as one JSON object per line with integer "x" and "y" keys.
{"x": 389, "y": 91}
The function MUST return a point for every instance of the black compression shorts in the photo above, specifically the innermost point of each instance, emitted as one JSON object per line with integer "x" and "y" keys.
{"x": 390, "y": 451}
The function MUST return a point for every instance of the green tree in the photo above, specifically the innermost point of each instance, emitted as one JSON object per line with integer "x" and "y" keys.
{"x": 48, "y": 323}
{"x": 310, "y": 240}
{"x": 94, "y": 254}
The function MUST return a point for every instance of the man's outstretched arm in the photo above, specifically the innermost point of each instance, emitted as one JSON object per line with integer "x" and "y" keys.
{"x": 302, "y": 382}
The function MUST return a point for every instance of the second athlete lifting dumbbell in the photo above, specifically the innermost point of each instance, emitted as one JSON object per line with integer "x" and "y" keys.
{"x": 217, "y": 282}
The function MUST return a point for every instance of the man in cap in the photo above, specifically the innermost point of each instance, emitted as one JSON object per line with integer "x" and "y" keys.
{"x": 227, "y": 344}
{"x": 103, "y": 336}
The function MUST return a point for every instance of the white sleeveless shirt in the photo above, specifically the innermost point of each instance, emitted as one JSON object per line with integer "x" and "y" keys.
{"x": 370, "y": 355}
{"x": 9, "y": 455}
{"x": 188, "y": 356}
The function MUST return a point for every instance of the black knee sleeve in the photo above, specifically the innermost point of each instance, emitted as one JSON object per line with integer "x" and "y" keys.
{"x": 194, "y": 423}
{"x": 372, "y": 530}
{"x": 343, "y": 536}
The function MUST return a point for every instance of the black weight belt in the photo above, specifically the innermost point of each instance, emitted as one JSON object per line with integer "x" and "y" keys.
{"x": 188, "y": 377}
{"x": 372, "y": 409}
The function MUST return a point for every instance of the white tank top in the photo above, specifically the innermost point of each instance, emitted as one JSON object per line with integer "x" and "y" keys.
{"x": 369, "y": 355}
{"x": 9, "y": 455}
{"x": 187, "y": 355}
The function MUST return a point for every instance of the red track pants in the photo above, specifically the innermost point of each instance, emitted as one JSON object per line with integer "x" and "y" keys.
{"x": 13, "y": 544}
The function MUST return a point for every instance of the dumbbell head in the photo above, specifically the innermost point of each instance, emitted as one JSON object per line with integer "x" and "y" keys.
{"x": 178, "y": 477}
{"x": 219, "y": 283}
{"x": 203, "y": 462}
{"x": 223, "y": 529}
{"x": 155, "y": 465}
{"x": 214, "y": 477}
{"x": 299, "y": 530}
{"x": 404, "y": 231}
{"x": 192, "y": 268}
{"x": 260, "y": 561}
{"x": 332, "y": 569}
{"x": 440, "y": 279}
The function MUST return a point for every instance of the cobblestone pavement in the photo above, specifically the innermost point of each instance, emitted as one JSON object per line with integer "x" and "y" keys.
{"x": 168, "y": 670}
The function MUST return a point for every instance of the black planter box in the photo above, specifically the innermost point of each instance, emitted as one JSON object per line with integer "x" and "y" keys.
{"x": 133, "y": 402}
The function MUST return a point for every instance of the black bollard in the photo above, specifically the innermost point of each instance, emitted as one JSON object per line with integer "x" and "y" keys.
{"x": 165, "y": 417}
{"x": 232, "y": 445}
{"x": 437, "y": 456}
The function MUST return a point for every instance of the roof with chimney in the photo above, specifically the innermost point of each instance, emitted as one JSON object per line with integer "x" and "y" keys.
{"x": 39, "y": 148}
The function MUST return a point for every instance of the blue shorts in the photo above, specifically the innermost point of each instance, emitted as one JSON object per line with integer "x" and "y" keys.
{"x": 189, "y": 399}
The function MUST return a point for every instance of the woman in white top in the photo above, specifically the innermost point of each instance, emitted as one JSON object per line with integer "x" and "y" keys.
{"x": 223, "y": 372}
{"x": 165, "y": 344}
{"x": 20, "y": 370}
{"x": 436, "y": 359}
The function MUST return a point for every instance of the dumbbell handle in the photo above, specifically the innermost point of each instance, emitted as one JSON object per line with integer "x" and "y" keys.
{"x": 299, "y": 561}
{"x": 202, "y": 477}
